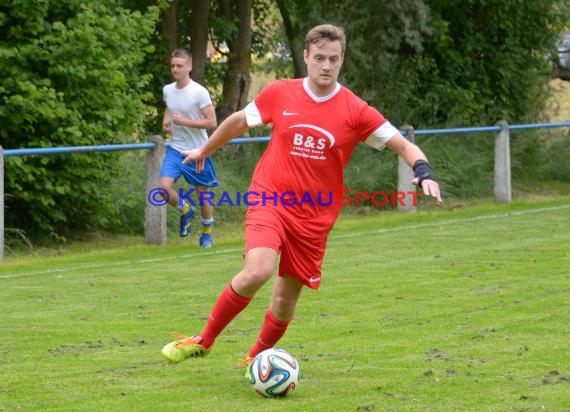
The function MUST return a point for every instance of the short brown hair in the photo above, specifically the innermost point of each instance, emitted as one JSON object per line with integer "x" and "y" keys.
{"x": 182, "y": 53}
{"x": 325, "y": 31}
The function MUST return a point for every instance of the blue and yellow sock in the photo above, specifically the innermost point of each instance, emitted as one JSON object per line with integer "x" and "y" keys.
{"x": 207, "y": 225}
{"x": 184, "y": 208}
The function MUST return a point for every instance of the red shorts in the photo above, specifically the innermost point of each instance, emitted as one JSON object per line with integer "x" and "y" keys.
{"x": 301, "y": 251}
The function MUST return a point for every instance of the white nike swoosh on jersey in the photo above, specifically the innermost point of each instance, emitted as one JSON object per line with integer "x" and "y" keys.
{"x": 286, "y": 113}
{"x": 313, "y": 280}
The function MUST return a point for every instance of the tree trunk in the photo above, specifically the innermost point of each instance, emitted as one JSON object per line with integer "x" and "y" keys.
{"x": 563, "y": 73}
{"x": 237, "y": 79}
{"x": 169, "y": 23}
{"x": 295, "y": 39}
{"x": 199, "y": 39}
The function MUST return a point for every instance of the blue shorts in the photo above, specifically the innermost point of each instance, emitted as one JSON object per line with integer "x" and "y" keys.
{"x": 173, "y": 167}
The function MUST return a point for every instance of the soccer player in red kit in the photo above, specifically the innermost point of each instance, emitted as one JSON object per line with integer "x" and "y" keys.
{"x": 316, "y": 126}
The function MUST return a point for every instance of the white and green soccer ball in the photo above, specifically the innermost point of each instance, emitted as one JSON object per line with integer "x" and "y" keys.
{"x": 274, "y": 373}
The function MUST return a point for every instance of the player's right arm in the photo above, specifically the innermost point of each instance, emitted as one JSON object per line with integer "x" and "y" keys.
{"x": 233, "y": 126}
{"x": 166, "y": 122}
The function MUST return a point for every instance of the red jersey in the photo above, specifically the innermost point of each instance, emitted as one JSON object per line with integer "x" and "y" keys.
{"x": 311, "y": 143}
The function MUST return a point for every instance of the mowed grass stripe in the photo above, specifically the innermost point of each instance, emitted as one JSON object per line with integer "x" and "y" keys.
{"x": 4, "y": 274}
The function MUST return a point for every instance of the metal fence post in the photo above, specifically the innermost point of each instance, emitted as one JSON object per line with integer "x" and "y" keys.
{"x": 154, "y": 216}
{"x": 502, "y": 189}
{"x": 1, "y": 203}
{"x": 405, "y": 176}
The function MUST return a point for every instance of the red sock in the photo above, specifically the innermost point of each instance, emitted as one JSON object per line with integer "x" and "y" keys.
{"x": 271, "y": 331}
{"x": 227, "y": 307}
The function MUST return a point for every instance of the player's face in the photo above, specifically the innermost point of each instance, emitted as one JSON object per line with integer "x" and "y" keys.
{"x": 323, "y": 60}
{"x": 180, "y": 68}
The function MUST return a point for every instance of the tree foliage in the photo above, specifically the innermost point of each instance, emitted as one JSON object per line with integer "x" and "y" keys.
{"x": 453, "y": 62}
{"x": 85, "y": 72}
{"x": 69, "y": 76}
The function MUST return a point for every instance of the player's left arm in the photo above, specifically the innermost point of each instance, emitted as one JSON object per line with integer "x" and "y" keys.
{"x": 209, "y": 114}
{"x": 208, "y": 120}
{"x": 417, "y": 160}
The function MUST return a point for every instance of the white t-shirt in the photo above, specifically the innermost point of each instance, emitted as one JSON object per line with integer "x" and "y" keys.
{"x": 187, "y": 101}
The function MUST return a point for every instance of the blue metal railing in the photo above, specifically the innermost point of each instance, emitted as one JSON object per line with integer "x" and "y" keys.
{"x": 77, "y": 149}
{"x": 107, "y": 148}
{"x": 265, "y": 139}
{"x": 502, "y": 183}
{"x": 483, "y": 129}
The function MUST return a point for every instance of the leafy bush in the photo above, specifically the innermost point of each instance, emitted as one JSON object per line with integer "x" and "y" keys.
{"x": 68, "y": 77}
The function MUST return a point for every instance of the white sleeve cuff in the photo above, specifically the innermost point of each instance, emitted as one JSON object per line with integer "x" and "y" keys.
{"x": 382, "y": 135}
{"x": 252, "y": 115}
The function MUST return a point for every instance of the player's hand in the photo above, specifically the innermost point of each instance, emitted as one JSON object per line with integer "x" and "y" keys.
{"x": 166, "y": 128}
{"x": 195, "y": 155}
{"x": 430, "y": 188}
{"x": 178, "y": 119}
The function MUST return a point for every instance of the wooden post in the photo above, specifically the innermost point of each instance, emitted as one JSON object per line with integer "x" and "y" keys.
{"x": 154, "y": 216}
{"x": 502, "y": 189}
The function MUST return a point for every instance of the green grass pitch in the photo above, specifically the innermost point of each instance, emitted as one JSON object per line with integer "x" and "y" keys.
{"x": 462, "y": 309}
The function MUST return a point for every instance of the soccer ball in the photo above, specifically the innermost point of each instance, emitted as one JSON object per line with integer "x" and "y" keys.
{"x": 274, "y": 373}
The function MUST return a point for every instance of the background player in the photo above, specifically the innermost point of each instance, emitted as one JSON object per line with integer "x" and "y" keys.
{"x": 189, "y": 112}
